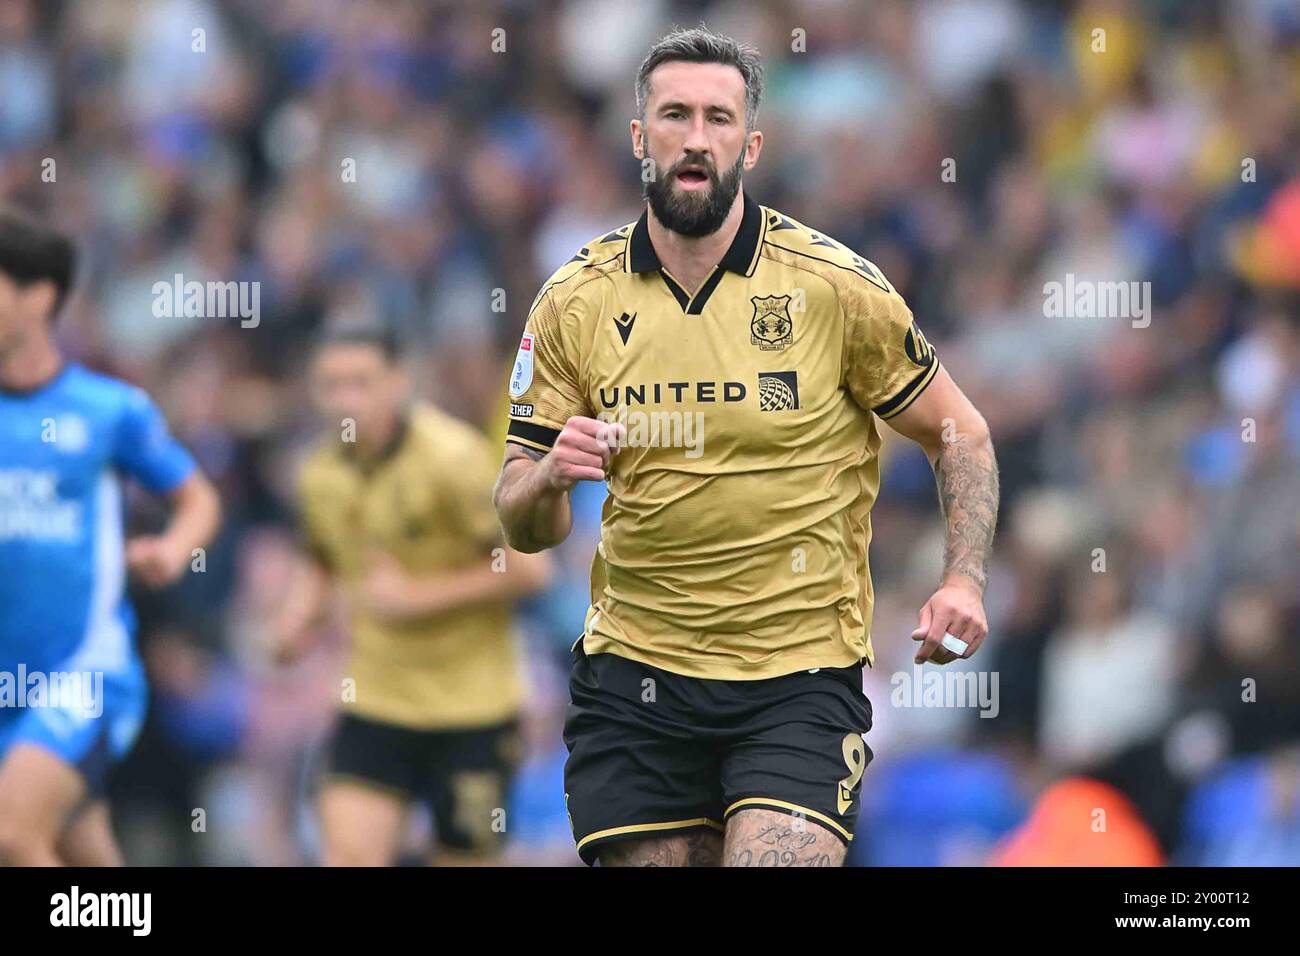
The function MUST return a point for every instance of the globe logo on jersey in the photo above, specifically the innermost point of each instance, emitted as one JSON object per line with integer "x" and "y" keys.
{"x": 771, "y": 328}
{"x": 778, "y": 391}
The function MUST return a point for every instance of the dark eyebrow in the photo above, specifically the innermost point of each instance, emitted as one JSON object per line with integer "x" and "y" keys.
{"x": 678, "y": 105}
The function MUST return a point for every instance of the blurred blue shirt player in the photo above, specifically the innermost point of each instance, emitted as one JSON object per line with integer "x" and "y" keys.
{"x": 64, "y": 449}
{"x": 72, "y": 688}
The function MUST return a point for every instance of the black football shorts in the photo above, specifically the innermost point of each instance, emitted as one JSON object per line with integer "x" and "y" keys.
{"x": 463, "y": 774}
{"x": 651, "y": 751}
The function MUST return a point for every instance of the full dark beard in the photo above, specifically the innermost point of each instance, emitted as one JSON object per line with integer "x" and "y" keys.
{"x": 691, "y": 213}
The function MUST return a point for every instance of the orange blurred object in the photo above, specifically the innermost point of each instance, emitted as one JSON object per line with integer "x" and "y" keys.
{"x": 1268, "y": 254}
{"x": 1080, "y": 822}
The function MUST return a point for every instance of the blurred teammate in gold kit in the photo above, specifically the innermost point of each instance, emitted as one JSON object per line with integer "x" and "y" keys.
{"x": 397, "y": 513}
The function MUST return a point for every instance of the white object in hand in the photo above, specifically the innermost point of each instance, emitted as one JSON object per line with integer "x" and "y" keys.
{"x": 954, "y": 644}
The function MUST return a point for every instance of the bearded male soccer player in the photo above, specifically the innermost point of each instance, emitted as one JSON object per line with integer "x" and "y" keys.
{"x": 76, "y": 688}
{"x": 717, "y": 709}
{"x": 399, "y": 516}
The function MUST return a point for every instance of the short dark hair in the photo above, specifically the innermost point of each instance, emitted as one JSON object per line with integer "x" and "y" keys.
{"x": 31, "y": 252}
{"x": 702, "y": 45}
{"x": 372, "y": 332}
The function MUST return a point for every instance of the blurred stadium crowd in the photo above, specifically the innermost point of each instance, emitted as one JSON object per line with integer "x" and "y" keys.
{"x": 1165, "y": 689}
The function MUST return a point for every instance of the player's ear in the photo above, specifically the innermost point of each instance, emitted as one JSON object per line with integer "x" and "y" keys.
{"x": 39, "y": 298}
{"x": 638, "y": 142}
{"x": 753, "y": 147}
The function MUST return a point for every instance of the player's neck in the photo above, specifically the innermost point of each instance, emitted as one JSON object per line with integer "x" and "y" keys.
{"x": 690, "y": 260}
{"x": 379, "y": 445}
{"x": 30, "y": 364}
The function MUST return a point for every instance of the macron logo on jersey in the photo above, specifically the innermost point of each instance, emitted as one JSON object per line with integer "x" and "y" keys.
{"x": 31, "y": 509}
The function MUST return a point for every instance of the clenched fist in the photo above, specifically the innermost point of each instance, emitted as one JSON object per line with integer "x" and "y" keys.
{"x": 157, "y": 560}
{"x": 582, "y": 452}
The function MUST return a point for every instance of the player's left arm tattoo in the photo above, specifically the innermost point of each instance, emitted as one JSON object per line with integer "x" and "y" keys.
{"x": 967, "y": 474}
{"x": 956, "y": 439}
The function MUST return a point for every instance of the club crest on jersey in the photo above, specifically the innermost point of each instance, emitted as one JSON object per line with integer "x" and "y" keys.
{"x": 771, "y": 328}
{"x": 522, "y": 375}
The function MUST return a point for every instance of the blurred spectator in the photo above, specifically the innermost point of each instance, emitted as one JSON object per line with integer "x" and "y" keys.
{"x": 1109, "y": 675}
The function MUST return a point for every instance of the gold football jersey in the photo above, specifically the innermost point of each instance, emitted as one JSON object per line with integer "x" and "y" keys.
{"x": 734, "y": 540}
{"x": 428, "y": 503}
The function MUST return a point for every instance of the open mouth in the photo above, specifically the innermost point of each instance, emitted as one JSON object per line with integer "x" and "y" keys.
{"x": 692, "y": 177}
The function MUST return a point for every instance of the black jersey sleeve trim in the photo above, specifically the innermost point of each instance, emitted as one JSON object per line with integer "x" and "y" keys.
{"x": 533, "y": 434}
{"x": 909, "y": 392}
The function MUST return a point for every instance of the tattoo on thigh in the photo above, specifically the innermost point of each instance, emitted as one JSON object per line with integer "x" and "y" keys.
{"x": 697, "y": 848}
{"x": 768, "y": 838}
{"x": 703, "y": 848}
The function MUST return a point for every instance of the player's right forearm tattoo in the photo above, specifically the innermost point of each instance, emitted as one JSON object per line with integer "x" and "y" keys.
{"x": 967, "y": 473}
{"x": 527, "y": 527}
